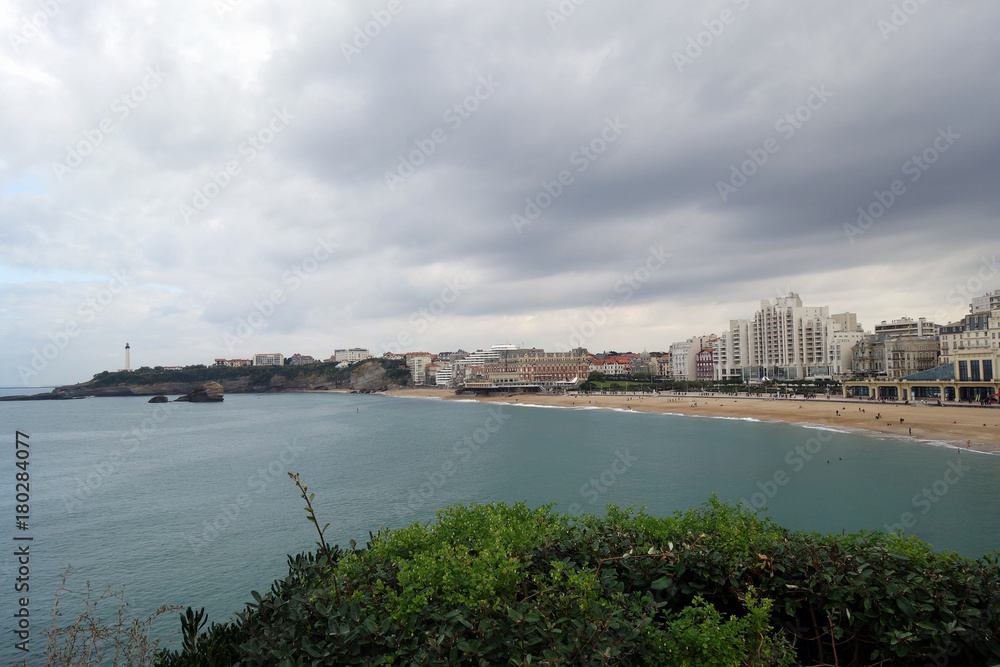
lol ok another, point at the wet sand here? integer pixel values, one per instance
(971, 427)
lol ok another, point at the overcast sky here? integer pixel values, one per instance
(213, 179)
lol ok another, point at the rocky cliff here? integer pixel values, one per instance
(370, 376)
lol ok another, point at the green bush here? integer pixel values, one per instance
(509, 585)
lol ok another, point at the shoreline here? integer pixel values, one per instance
(965, 427)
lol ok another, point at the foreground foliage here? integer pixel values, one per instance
(509, 585)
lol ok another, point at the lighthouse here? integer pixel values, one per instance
(127, 366)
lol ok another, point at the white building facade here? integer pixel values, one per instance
(268, 359)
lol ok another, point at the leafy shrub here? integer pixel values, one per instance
(717, 585)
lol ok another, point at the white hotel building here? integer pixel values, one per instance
(785, 340)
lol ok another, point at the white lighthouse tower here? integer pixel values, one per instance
(128, 366)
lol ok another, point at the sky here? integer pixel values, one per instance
(215, 179)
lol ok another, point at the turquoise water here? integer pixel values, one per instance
(189, 504)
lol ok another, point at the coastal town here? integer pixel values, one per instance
(782, 342)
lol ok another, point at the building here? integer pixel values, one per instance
(789, 341)
(444, 375)
(645, 364)
(534, 368)
(418, 362)
(684, 356)
(950, 339)
(732, 352)
(980, 329)
(894, 358)
(299, 360)
(841, 352)
(971, 376)
(268, 359)
(847, 322)
(352, 355)
(665, 366)
(612, 365)
(907, 327)
(907, 355)
(705, 365)
(461, 368)
(986, 303)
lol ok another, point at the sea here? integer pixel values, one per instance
(190, 504)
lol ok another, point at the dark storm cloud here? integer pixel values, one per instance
(410, 141)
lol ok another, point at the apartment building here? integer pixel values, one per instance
(352, 355)
(268, 359)
(418, 362)
(921, 328)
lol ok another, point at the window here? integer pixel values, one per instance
(975, 371)
(988, 370)
(963, 371)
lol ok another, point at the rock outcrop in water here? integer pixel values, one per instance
(210, 392)
(158, 399)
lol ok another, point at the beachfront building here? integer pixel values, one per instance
(664, 366)
(531, 369)
(971, 376)
(470, 367)
(418, 362)
(704, 363)
(684, 356)
(733, 350)
(789, 341)
(878, 357)
(950, 339)
(841, 352)
(268, 359)
(980, 329)
(907, 355)
(612, 365)
(444, 375)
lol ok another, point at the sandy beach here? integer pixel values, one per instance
(970, 427)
